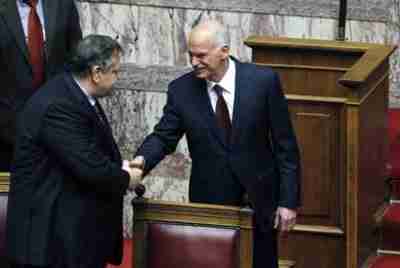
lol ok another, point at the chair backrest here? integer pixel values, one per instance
(394, 142)
(393, 156)
(4, 186)
(181, 235)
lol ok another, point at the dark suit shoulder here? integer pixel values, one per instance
(256, 70)
(184, 80)
(186, 85)
(54, 90)
(259, 75)
(30, 120)
(65, 6)
(54, 96)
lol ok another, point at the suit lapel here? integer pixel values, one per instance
(241, 84)
(104, 127)
(82, 98)
(50, 14)
(110, 138)
(9, 11)
(206, 110)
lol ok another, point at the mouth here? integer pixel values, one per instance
(198, 70)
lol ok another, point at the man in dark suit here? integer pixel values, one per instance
(239, 135)
(35, 38)
(68, 180)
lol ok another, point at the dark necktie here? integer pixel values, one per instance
(99, 113)
(35, 44)
(222, 114)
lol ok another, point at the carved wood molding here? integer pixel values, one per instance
(197, 213)
(4, 182)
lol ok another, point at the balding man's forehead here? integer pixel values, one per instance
(201, 36)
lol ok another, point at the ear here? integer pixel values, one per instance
(225, 52)
(95, 71)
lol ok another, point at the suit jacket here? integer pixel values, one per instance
(62, 33)
(262, 154)
(67, 185)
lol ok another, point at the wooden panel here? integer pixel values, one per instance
(305, 57)
(351, 197)
(317, 130)
(311, 82)
(371, 186)
(317, 251)
(259, 42)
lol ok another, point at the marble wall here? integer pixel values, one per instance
(153, 34)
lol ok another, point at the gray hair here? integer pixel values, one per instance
(93, 50)
(218, 34)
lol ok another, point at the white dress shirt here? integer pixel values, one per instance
(24, 9)
(228, 84)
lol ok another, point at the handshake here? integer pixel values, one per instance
(135, 169)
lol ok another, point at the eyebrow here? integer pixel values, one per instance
(200, 53)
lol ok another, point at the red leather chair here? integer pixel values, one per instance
(382, 261)
(4, 186)
(388, 218)
(393, 164)
(178, 235)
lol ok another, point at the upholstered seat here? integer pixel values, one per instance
(393, 163)
(390, 229)
(383, 261)
(4, 186)
(177, 235)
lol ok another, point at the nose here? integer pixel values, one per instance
(194, 61)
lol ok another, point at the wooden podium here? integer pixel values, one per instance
(338, 98)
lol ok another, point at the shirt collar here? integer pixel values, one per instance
(24, 2)
(91, 99)
(228, 80)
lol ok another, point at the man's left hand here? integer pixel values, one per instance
(285, 219)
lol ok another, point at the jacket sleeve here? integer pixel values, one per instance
(68, 134)
(284, 144)
(7, 122)
(74, 31)
(165, 137)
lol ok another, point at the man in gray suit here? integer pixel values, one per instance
(35, 38)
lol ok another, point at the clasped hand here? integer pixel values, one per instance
(135, 169)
